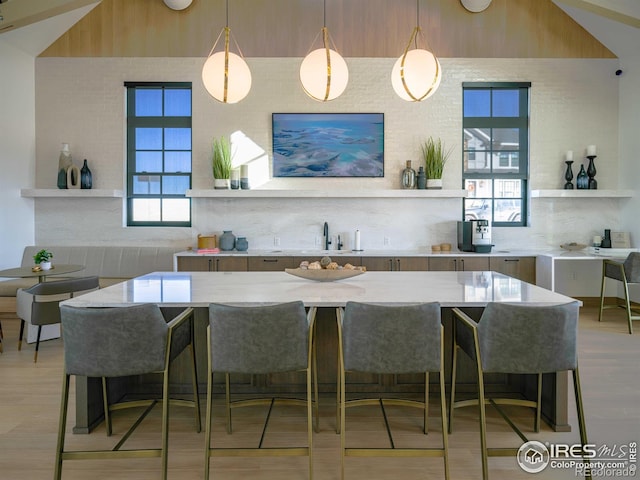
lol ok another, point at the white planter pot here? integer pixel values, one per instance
(221, 183)
(434, 183)
(45, 265)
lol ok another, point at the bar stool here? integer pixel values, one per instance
(517, 339)
(391, 339)
(119, 342)
(258, 340)
(627, 272)
(39, 305)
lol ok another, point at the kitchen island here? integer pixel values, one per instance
(470, 290)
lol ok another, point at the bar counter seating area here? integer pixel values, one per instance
(319, 239)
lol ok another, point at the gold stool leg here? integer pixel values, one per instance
(452, 395)
(207, 449)
(425, 424)
(62, 426)
(628, 304)
(581, 422)
(105, 403)
(194, 381)
(602, 285)
(165, 422)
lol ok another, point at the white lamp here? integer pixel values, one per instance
(225, 75)
(323, 73)
(417, 73)
(475, 6)
(177, 4)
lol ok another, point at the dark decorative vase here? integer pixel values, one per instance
(582, 180)
(422, 179)
(227, 241)
(64, 162)
(86, 179)
(591, 172)
(568, 176)
(242, 245)
(606, 241)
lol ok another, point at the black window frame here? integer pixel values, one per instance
(522, 122)
(162, 121)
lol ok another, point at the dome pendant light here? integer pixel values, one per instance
(416, 74)
(225, 75)
(323, 73)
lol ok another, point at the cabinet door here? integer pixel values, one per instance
(522, 268)
(193, 264)
(472, 263)
(229, 264)
(270, 264)
(379, 264)
(442, 264)
(411, 264)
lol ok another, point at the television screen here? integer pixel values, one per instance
(328, 144)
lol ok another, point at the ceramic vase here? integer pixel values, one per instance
(242, 245)
(86, 179)
(434, 183)
(568, 175)
(227, 241)
(221, 183)
(45, 265)
(421, 179)
(582, 180)
(64, 162)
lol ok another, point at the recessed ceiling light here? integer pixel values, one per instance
(475, 6)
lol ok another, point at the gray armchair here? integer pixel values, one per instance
(627, 272)
(118, 342)
(391, 339)
(39, 305)
(517, 339)
(263, 339)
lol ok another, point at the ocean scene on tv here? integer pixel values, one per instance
(328, 145)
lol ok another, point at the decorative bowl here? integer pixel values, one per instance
(323, 275)
(573, 246)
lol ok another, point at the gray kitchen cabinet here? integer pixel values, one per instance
(212, 264)
(458, 264)
(522, 268)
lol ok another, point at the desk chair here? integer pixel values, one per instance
(257, 340)
(120, 342)
(39, 305)
(627, 272)
(517, 339)
(391, 339)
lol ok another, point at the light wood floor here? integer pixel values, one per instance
(30, 400)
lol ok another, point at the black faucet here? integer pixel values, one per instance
(327, 241)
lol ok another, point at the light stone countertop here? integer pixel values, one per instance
(361, 253)
(199, 289)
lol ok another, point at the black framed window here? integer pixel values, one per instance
(158, 153)
(495, 170)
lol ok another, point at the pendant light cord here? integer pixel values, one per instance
(227, 11)
(324, 13)
(417, 22)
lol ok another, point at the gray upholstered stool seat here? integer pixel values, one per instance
(257, 340)
(39, 305)
(119, 342)
(627, 272)
(516, 339)
(391, 340)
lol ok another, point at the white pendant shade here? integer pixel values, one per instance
(421, 74)
(177, 4)
(238, 82)
(324, 80)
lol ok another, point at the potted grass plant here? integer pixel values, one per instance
(221, 162)
(434, 155)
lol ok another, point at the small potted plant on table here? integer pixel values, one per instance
(435, 157)
(43, 259)
(221, 162)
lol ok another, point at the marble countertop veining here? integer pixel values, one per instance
(361, 253)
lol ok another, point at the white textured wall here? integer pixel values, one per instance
(81, 101)
(17, 152)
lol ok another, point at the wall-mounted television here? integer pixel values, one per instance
(328, 144)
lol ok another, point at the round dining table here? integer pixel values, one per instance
(28, 272)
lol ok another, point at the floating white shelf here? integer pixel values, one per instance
(582, 193)
(326, 193)
(70, 193)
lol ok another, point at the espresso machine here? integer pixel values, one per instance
(474, 236)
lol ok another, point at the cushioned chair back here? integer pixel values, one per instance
(391, 339)
(113, 342)
(632, 267)
(528, 339)
(47, 296)
(264, 339)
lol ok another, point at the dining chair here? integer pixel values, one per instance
(120, 342)
(39, 304)
(627, 272)
(391, 340)
(516, 339)
(259, 340)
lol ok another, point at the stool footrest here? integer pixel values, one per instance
(259, 452)
(394, 452)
